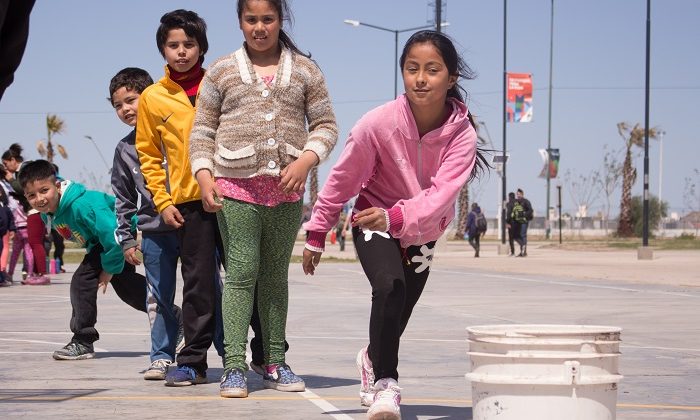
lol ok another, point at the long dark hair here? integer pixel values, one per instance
(456, 66)
(13, 152)
(284, 14)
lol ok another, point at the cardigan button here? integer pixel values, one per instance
(269, 117)
(271, 164)
(271, 141)
(265, 93)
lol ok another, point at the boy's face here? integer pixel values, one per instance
(181, 52)
(43, 195)
(126, 104)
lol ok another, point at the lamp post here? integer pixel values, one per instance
(98, 151)
(396, 33)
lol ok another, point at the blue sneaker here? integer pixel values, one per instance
(281, 378)
(184, 376)
(233, 384)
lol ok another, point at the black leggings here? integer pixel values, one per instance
(397, 277)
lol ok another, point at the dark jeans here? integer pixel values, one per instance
(520, 230)
(198, 244)
(474, 241)
(511, 237)
(129, 286)
(397, 277)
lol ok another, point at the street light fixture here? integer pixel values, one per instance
(396, 33)
(99, 152)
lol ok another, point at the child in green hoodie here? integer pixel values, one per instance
(87, 218)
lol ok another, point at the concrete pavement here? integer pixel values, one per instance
(327, 324)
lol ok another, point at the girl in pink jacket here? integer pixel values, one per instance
(407, 160)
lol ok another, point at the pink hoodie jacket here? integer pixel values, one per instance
(416, 179)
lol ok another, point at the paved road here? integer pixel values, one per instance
(328, 324)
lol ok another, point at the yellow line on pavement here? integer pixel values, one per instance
(298, 398)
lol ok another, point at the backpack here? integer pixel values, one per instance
(481, 223)
(518, 213)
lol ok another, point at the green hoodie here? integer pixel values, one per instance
(87, 218)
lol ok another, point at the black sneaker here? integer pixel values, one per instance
(75, 351)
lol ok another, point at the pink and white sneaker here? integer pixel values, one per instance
(364, 366)
(387, 398)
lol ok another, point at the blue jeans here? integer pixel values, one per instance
(160, 255)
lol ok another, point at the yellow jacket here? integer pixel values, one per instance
(162, 136)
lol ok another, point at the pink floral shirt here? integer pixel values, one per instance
(262, 190)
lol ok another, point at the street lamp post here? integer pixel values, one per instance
(396, 33)
(98, 151)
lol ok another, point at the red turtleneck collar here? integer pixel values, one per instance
(189, 80)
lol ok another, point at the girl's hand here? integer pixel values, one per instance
(372, 218)
(310, 261)
(211, 195)
(294, 175)
(103, 281)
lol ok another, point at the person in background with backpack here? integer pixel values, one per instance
(510, 224)
(522, 214)
(476, 227)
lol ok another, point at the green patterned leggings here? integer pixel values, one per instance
(258, 241)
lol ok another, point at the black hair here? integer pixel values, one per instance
(521, 191)
(284, 14)
(36, 170)
(511, 195)
(131, 78)
(13, 152)
(190, 22)
(456, 66)
(3, 197)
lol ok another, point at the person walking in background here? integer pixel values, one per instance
(408, 160)
(165, 116)
(476, 226)
(251, 153)
(159, 243)
(87, 218)
(36, 230)
(510, 223)
(522, 214)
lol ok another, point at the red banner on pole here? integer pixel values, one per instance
(519, 95)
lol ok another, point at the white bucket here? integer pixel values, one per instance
(544, 372)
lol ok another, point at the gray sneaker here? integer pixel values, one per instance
(75, 351)
(157, 370)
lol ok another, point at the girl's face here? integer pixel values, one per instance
(260, 24)
(11, 165)
(181, 52)
(425, 76)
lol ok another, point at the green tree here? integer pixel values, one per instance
(657, 210)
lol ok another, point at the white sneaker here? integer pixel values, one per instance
(157, 370)
(387, 398)
(364, 366)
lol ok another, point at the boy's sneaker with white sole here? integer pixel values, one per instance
(158, 370)
(387, 400)
(75, 351)
(364, 366)
(233, 384)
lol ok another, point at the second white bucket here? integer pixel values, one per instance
(544, 372)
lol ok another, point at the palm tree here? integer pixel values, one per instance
(54, 125)
(632, 136)
(313, 186)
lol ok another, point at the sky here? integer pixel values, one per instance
(76, 46)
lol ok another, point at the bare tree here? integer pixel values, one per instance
(691, 198)
(582, 190)
(608, 179)
(632, 136)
